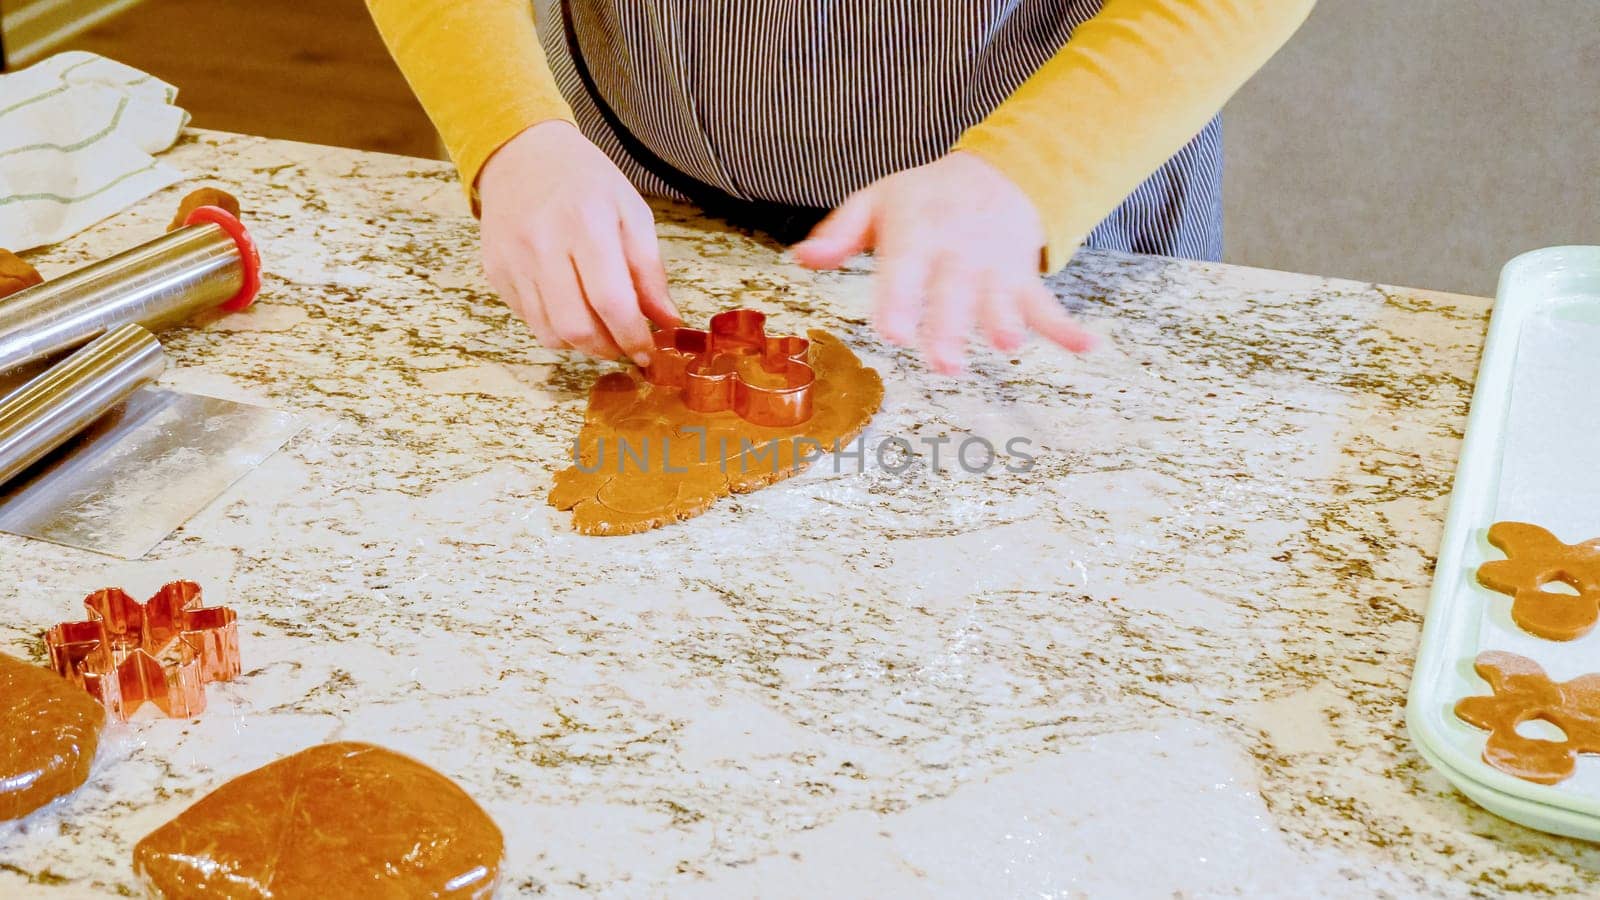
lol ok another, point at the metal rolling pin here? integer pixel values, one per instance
(47, 411)
(209, 262)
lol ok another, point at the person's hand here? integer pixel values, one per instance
(958, 246)
(571, 246)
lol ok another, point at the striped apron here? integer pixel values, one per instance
(769, 112)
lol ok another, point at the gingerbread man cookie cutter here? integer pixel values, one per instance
(163, 651)
(734, 365)
(1523, 693)
(1535, 559)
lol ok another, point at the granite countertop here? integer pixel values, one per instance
(1171, 659)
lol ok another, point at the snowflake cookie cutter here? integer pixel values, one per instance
(163, 651)
(735, 365)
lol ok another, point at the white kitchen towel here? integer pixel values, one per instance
(78, 138)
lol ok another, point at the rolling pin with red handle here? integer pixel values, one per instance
(209, 262)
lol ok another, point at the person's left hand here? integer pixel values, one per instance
(958, 246)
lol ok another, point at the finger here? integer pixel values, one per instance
(571, 320)
(1044, 314)
(643, 250)
(608, 289)
(1000, 317)
(900, 292)
(505, 283)
(952, 313)
(538, 320)
(845, 232)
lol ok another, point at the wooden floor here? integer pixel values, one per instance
(308, 71)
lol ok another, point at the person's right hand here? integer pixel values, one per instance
(571, 246)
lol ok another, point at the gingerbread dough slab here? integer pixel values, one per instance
(1522, 693)
(645, 459)
(338, 820)
(49, 731)
(1536, 559)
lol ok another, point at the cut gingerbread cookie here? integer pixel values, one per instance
(1524, 693)
(1536, 559)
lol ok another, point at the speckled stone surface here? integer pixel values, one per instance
(1171, 659)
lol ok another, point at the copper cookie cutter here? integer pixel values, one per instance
(163, 651)
(735, 365)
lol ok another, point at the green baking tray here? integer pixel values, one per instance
(1531, 453)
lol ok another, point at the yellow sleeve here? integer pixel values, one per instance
(477, 68)
(1133, 85)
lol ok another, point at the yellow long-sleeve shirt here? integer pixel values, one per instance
(1130, 88)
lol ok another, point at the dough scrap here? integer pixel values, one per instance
(16, 273)
(204, 197)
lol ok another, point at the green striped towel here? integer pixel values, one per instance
(78, 134)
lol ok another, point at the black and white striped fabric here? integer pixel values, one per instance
(805, 101)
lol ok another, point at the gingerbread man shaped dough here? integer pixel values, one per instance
(1536, 558)
(1522, 693)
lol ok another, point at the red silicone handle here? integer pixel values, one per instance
(249, 257)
